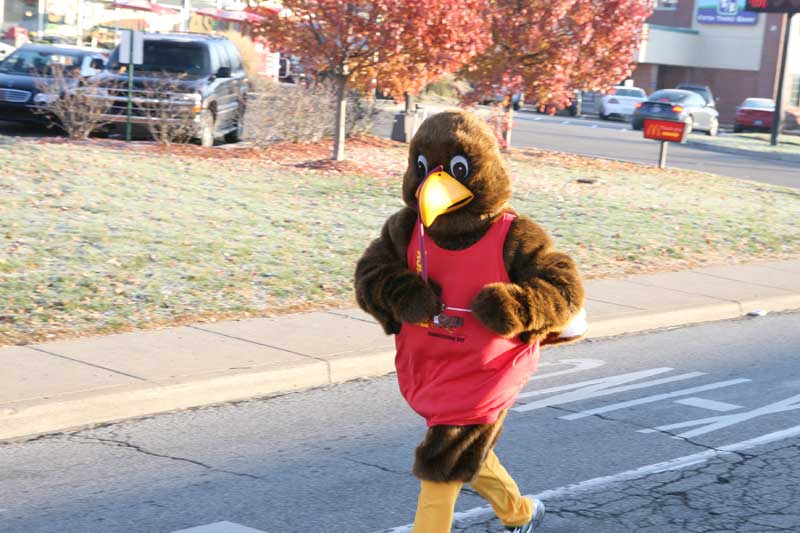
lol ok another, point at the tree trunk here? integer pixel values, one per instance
(509, 122)
(409, 103)
(341, 110)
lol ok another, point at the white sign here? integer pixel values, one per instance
(131, 49)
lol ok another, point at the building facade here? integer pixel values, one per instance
(720, 44)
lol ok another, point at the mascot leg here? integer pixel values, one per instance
(435, 507)
(496, 486)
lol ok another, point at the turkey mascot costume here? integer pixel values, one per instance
(470, 289)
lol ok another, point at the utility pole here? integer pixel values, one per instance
(778, 116)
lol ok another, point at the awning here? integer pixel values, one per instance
(230, 16)
(144, 5)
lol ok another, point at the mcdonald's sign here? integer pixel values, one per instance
(664, 130)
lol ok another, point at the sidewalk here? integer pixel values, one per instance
(60, 385)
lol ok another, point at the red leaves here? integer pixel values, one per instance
(547, 49)
(402, 45)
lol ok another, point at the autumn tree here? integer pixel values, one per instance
(547, 49)
(401, 44)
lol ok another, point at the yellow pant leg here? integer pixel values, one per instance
(435, 506)
(496, 486)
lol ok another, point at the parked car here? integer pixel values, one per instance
(754, 114)
(22, 74)
(702, 90)
(620, 102)
(574, 109)
(202, 77)
(5, 50)
(678, 105)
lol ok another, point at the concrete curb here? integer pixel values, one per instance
(711, 147)
(67, 412)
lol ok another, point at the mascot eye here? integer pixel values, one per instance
(422, 166)
(459, 167)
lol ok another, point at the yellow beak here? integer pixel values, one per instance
(440, 193)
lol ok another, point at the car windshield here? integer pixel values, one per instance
(759, 103)
(30, 62)
(169, 56)
(636, 93)
(668, 96)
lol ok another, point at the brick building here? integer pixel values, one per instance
(719, 44)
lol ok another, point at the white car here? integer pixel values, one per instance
(5, 50)
(620, 102)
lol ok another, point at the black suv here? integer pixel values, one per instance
(23, 72)
(201, 75)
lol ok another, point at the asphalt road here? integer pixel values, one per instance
(686, 430)
(616, 140)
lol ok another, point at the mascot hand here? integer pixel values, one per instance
(417, 301)
(497, 306)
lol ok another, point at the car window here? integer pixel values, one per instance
(759, 103)
(697, 100)
(636, 93)
(669, 96)
(224, 56)
(170, 56)
(233, 53)
(39, 63)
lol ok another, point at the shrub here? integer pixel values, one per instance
(302, 113)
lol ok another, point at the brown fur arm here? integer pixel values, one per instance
(545, 289)
(385, 287)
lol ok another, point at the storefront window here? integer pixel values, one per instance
(666, 5)
(20, 13)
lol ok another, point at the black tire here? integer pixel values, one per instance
(236, 135)
(637, 125)
(737, 129)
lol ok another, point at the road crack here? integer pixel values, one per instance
(116, 443)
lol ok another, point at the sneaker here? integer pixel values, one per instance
(536, 521)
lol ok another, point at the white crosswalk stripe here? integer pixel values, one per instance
(220, 527)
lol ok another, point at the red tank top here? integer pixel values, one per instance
(464, 374)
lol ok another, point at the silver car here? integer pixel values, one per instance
(680, 106)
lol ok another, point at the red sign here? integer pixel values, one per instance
(664, 130)
(774, 6)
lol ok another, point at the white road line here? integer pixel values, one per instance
(597, 388)
(580, 365)
(591, 485)
(713, 405)
(220, 527)
(715, 423)
(659, 397)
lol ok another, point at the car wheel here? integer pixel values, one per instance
(207, 130)
(737, 129)
(602, 114)
(236, 135)
(714, 129)
(637, 125)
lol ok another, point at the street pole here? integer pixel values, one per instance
(79, 23)
(778, 113)
(40, 21)
(662, 158)
(130, 89)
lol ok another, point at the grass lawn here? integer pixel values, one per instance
(756, 142)
(99, 237)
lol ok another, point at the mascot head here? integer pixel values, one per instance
(455, 179)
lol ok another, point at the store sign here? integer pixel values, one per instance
(774, 6)
(664, 130)
(725, 12)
